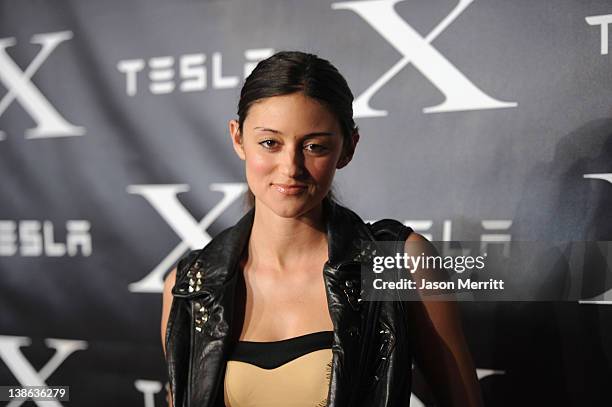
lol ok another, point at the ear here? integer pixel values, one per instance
(347, 154)
(234, 130)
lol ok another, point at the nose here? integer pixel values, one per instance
(292, 163)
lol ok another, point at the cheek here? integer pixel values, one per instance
(321, 169)
(258, 165)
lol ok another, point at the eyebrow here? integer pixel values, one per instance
(319, 133)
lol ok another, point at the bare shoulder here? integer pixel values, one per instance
(416, 237)
(170, 281)
(417, 244)
(168, 286)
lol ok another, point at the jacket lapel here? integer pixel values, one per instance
(342, 273)
(210, 286)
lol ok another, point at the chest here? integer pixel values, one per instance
(278, 307)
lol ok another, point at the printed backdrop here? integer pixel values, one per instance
(480, 120)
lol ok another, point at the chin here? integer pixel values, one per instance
(289, 207)
(288, 210)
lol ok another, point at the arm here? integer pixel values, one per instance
(166, 304)
(441, 351)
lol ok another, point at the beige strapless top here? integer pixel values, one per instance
(294, 372)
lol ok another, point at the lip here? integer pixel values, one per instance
(289, 189)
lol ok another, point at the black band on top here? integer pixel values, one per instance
(270, 355)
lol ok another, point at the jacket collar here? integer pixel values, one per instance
(345, 232)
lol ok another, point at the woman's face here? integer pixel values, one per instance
(291, 146)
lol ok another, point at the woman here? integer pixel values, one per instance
(269, 312)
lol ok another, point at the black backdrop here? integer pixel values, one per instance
(487, 120)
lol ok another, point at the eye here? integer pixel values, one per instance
(315, 148)
(268, 144)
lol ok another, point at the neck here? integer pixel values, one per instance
(279, 244)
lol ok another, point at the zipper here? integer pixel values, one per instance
(384, 352)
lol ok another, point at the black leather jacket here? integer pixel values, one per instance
(372, 348)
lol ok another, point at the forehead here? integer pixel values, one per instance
(295, 111)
